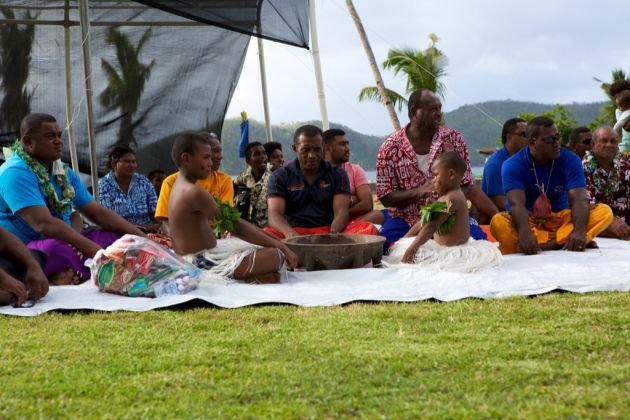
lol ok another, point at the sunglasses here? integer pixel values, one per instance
(550, 139)
(586, 142)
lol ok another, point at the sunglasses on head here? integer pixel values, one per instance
(550, 139)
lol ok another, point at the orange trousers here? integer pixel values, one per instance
(600, 216)
(356, 226)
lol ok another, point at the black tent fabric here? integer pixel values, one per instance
(157, 68)
(284, 21)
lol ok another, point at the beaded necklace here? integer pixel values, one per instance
(541, 187)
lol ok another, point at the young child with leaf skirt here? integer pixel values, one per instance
(256, 256)
(446, 221)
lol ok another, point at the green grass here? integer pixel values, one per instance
(557, 355)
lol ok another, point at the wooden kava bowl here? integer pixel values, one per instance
(334, 252)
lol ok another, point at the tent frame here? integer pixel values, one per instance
(85, 25)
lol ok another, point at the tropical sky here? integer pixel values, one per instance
(543, 51)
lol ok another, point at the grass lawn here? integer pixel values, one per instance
(557, 355)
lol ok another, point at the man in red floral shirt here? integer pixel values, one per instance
(404, 181)
(607, 174)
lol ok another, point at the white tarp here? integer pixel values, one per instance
(604, 269)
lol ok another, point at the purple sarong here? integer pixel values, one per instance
(62, 255)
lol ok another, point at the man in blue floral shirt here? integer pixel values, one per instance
(607, 174)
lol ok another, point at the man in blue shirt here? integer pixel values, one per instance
(514, 138)
(38, 193)
(580, 141)
(309, 195)
(547, 200)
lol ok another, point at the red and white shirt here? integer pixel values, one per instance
(397, 168)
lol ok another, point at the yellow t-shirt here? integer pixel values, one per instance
(218, 183)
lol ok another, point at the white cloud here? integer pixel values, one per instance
(541, 51)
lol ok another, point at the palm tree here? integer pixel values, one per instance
(423, 69)
(15, 59)
(125, 88)
(380, 86)
(608, 110)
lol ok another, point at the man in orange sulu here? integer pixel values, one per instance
(547, 201)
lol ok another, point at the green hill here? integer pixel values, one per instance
(364, 147)
(157, 155)
(478, 129)
(481, 131)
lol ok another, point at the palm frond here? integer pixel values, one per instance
(16, 42)
(372, 94)
(143, 40)
(422, 69)
(126, 82)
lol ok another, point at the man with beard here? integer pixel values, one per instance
(547, 205)
(337, 152)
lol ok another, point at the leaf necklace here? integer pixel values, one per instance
(57, 206)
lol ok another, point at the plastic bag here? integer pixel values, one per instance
(136, 266)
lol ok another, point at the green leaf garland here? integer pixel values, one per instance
(433, 210)
(56, 206)
(225, 219)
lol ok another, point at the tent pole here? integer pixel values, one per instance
(263, 82)
(68, 70)
(317, 65)
(87, 69)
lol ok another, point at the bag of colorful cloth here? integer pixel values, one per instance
(136, 266)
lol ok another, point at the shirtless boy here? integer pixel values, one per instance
(191, 207)
(448, 227)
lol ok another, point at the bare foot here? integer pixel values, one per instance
(65, 278)
(592, 245)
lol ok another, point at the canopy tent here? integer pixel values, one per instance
(154, 68)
